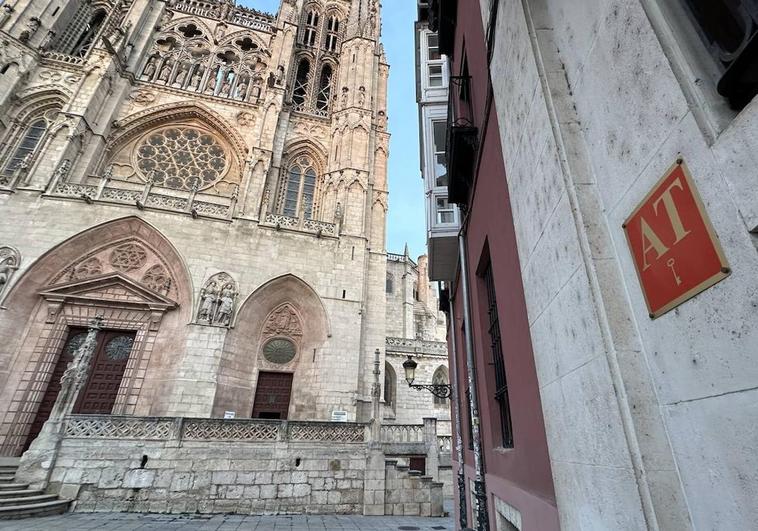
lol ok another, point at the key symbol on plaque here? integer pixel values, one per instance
(670, 263)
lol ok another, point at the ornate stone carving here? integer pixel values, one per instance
(128, 257)
(245, 119)
(283, 321)
(89, 268)
(218, 301)
(157, 279)
(142, 97)
(9, 262)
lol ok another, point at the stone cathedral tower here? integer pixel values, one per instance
(211, 181)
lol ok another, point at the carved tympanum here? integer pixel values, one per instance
(283, 321)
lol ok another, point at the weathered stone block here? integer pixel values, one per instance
(139, 478)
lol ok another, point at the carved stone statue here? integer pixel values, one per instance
(208, 299)
(149, 71)
(31, 28)
(165, 72)
(343, 101)
(361, 96)
(217, 301)
(210, 85)
(226, 305)
(225, 87)
(7, 266)
(196, 79)
(179, 79)
(241, 91)
(280, 75)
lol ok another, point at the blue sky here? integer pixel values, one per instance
(405, 221)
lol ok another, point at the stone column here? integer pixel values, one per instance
(432, 449)
(38, 461)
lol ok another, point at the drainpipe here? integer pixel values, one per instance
(456, 403)
(482, 519)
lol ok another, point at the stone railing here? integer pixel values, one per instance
(194, 429)
(419, 346)
(402, 433)
(63, 58)
(249, 18)
(147, 195)
(394, 257)
(445, 443)
(280, 221)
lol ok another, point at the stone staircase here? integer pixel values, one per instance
(408, 492)
(17, 500)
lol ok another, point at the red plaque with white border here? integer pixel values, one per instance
(675, 250)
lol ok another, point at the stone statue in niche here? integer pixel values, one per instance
(241, 91)
(361, 96)
(165, 72)
(179, 80)
(149, 69)
(210, 86)
(9, 262)
(218, 300)
(196, 79)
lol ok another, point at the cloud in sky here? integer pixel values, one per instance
(405, 220)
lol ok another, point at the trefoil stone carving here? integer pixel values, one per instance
(218, 301)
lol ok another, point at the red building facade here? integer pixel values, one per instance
(514, 476)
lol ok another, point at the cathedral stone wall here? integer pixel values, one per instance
(209, 180)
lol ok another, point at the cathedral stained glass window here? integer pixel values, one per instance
(180, 157)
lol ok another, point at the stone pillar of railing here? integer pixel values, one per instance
(38, 461)
(432, 448)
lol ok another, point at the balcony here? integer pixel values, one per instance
(442, 19)
(462, 143)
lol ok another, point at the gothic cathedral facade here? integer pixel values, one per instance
(211, 182)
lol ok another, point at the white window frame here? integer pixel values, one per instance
(430, 92)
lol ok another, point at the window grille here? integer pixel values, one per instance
(501, 382)
(324, 90)
(300, 89)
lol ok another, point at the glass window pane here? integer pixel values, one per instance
(439, 130)
(434, 50)
(435, 75)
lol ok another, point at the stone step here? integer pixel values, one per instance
(19, 493)
(6, 478)
(9, 461)
(27, 500)
(34, 509)
(13, 486)
(8, 469)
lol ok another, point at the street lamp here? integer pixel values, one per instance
(438, 390)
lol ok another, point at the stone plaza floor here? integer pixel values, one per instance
(156, 522)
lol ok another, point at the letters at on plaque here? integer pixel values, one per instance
(674, 247)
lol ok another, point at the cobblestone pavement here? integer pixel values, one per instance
(143, 522)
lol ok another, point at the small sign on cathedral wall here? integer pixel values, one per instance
(675, 250)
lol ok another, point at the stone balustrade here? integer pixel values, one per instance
(147, 195)
(402, 433)
(242, 16)
(445, 443)
(194, 429)
(280, 221)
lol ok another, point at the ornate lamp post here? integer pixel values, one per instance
(438, 390)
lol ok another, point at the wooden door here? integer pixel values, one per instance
(272, 395)
(109, 363)
(74, 340)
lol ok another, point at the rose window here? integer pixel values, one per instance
(128, 257)
(279, 350)
(179, 157)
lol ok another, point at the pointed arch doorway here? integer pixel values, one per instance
(272, 395)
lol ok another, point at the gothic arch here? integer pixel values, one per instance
(139, 122)
(242, 354)
(66, 287)
(136, 151)
(174, 24)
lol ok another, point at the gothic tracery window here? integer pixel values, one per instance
(311, 28)
(80, 33)
(181, 157)
(332, 33)
(27, 147)
(299, 189)
(390, 386)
